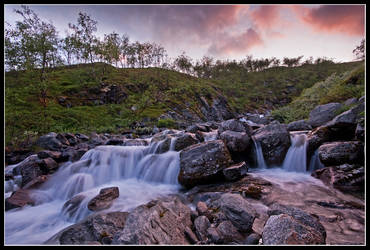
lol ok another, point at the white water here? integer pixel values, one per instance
(261, 164)
(296, 157)
(139, 174)
(315, 162)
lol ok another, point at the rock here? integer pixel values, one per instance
(72, 139)
(135, 142)
(191, 236)
(29, 169)
(299, 125)
(203, 163)
(158, 222)
(234, 125)
(201, 225)
(104, 199)
(237, 210)
(252, 239)
(235, 141)
(300, 216)
(48, 165)
(55, 155)
(97, 140)
(214, 236)
(283, 229)
(82, 137)
(360, 131)
(346, 120)
(350, 101)
(63, 139)
(347, 178)
(49, 141)
(202, 209)
(19, 198)
(258, 118)
(274, 139)
(92, 229)
(36, 182)
(323, 113)
(196, 127)
(336, 153)
(71, 154)
(235, 172)
(184, 141)
(115, 141)
(228, 233)
(317, 137)
(71, 206)
(164, 145)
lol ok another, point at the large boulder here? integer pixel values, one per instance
(235, 141)
(104, 199)
(290, 225)
(323, 113)
(234, 125)
(336, 153)
(29, 169)
(184, 141)
(95, 228)
(203, 163)
(49, 141)
(237, 210)
(347, 120)
(283, 229)
(158, 222)
(274, 139)
(347, 178)
(235, 172)
(228, 233)
(299, 125)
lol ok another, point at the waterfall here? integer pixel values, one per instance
(315, 162)
(295, 159)
(259, 154)
(140, 174)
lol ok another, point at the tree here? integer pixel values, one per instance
(183, 63)
(359, 51)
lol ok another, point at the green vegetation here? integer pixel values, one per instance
(336, 88)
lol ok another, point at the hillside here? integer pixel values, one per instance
(103, 98)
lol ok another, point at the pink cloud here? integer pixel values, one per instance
(347, 19)
(235, 44)
(266, 16)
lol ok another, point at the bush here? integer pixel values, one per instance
(166, 123)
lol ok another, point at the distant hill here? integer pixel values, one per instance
(102, 98)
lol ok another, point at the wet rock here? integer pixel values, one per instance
(203, 163)
(162, 222)
(115, 141)
(196, 127)
(36, 182)
(29, 169)
(274, 139)
(202, 209)
(48, 165)
(19, 198)
(237, 210)
(72, 139)
(235, 141)
(201, 225)
(323, 113)
(184, 141)
(135, 142)
(299, 125)
(336, 153)
(63, 139)
(283, 229)
(347, 178)
(234, 125)
(92, 229)
(49, 141)
(258, 118)
(71, 206)
(104, 199)
(235, 172)
(82, 137)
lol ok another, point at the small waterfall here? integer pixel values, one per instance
(140, 174)
(210, 136)
(295, 159)
(259, 154)
(315, 162)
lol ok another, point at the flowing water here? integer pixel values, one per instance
(139, 173)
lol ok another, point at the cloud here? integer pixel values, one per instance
(346, 19)
(266, 16)
(235, 44)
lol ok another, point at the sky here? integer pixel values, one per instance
(222, 31)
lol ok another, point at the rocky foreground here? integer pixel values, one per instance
(222, 201)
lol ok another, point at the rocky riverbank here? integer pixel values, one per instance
(222, 194)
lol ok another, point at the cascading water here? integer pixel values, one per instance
(295, 159)
(261, 164)
(315, 162)
(140, 174)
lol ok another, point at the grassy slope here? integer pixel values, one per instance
(335, 88)
(152, 91)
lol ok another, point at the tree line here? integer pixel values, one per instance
(35, 44)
